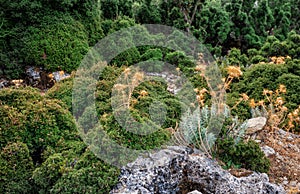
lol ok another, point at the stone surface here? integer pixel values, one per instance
(171, 79)
(268, 151)
(182, 170)
(255, 124)
(287, 135)
(195, 192)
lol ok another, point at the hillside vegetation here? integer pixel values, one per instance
(256, 45)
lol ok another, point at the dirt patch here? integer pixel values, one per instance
(285, 163)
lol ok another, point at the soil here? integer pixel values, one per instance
(285, 163)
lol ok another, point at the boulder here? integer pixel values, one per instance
(195, 192)
(182, 170)
(268, 151)
(255, 124)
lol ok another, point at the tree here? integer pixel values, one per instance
(215, 21)
(148, 13)
(242, 34)
(261, 18)
(189, 9)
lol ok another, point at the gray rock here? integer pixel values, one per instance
(178, 169)
(268, 151)
(287, 135)
(195, 192)
(255, 124)
(285, 182)
(60, 75)
(293, 183)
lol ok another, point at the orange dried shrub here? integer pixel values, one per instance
(278, 60)
(293, 120)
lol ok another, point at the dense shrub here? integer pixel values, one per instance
(267, 76)
(244, 154)
(62, 91)
(16, 167)
(95, 178)
(259, 77)
(39, 122)
(59, 44)
(73, 168)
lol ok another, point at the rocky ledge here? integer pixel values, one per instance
(183, 170)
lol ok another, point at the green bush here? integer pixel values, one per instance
(74, 168)
(62, 91)
(259, 77)
(267, 76)
(46, 175)
(59, 44)
(16, 167)
(243, 154)
(289, 46)
(95, 178)
(39, 122)
(292, 96)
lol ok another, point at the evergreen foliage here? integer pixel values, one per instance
(40, 148)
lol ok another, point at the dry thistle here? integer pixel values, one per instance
(273, 105)
(252, 103)
(234, 71)
(143, 93)
(282, 88)
(245, 97)
(293, 119)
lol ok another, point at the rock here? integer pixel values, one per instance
(285, 182)
(181, 169)
(268, 151)
(255, 124)
(60, 75)
(4, 83)
(195, 192)
(293, 183)
(287, 135)
(171, 79)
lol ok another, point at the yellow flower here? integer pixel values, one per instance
(234, 71)
(200, 67)
(252, 103)
(203, 91)
(261, 103)
(126, 71)
(284, 108)
(61, 73)
(143, 93)
(265, 92)
(282, 88)
(50, 75)
(120, 87)
(279, 101)
(134, 101)
(295, 113)
(245, 97)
